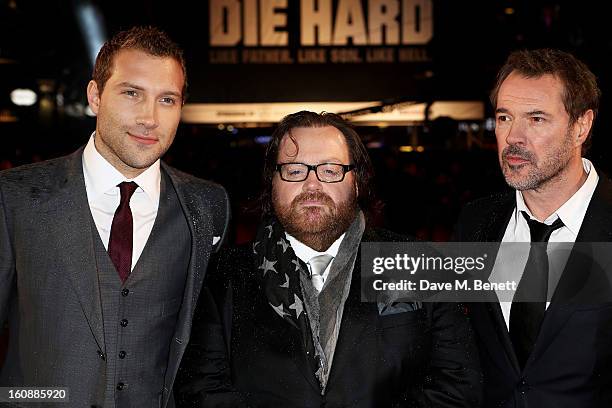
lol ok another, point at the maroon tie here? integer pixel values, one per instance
(120, 243)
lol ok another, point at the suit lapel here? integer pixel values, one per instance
(595, 228)
(297, 349)
(199, 220)
(494, 231)
(598, 218)
(71, 220)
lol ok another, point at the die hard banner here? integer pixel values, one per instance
(310, 50)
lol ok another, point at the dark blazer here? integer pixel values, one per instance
(242, 354)
(571, 360)
(47, 269)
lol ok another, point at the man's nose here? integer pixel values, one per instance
(312, 183)
(147, 115)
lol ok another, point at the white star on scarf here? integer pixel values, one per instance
(285, 244)
(280, 310)
(269, 227)
(297, 305)
(286, 284)
(267, 266)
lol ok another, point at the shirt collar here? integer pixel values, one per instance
(103, 178)
(306, 253)
(572, 212)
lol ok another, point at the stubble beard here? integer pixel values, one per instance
(539, 174)
(316, 226)
(116, 144)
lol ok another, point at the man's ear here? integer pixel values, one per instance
(583, 125)
(93, 96)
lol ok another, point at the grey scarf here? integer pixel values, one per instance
(324, 310)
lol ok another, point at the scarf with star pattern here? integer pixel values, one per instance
(280, 272)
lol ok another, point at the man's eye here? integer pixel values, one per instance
(130, 92)
(503, 118)
(168, 100)
(537, 119)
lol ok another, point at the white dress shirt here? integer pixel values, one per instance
(572, 214)
(306, 253)
(101, 181)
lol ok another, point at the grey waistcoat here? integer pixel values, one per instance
(140, 315)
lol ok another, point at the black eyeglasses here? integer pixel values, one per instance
(326, 172)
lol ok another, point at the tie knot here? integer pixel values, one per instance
(319, 263)
(541, 232)
(127, 189)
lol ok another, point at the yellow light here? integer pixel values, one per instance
(509, 11)
(406, 149)
(420, 149)
(7, 116)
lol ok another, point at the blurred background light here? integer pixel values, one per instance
(23, 97)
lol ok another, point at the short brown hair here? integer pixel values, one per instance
(148, 39)
(358, 154)
(580, 92)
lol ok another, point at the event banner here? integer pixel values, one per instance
(319, 31)
(316, 50)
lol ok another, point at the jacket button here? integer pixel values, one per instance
(101, 355)
(121, 386)
(123, 322)
(122, 354)
(523, 386)
(125, 292)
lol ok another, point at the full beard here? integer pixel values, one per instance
(538, 174)
(316, 226)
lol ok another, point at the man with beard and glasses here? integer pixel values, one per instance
(282, 323)
(552, 345)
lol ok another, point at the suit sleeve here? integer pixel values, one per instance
(205, 378)
(453, 378)
(7, 262)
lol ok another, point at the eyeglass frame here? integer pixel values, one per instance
(313, 167)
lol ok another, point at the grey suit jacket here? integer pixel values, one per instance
(49, 289)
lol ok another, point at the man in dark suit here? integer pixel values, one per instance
(553, 348)
(286, 326)
(103, 252)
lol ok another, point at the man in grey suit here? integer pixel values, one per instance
(103, 252)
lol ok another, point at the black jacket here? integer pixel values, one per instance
(571, 361)
(243, 354)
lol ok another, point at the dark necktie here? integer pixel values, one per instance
(122, 230)
(529, 302)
